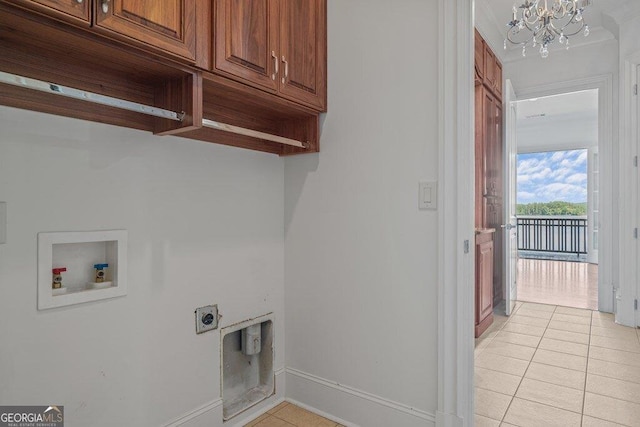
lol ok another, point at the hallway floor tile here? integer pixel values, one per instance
(557, 366)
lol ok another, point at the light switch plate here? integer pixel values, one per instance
(428, 195)
(206, 318)
(3, 222)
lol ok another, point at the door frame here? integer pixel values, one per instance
(606, 148)
(635, 115)
(455, 213)
(629, 201)
(510, 197)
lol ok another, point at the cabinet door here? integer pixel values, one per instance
(303, 51)
(489, 67)
(246, 40)
(65, 9)
(168, 25)
(479, 56)
(484, 280)
(488, 138)
(498, 82)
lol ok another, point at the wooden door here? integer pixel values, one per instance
(168, 25)
(70, 10)
(246, 41)
(484, 277)
(303, 51)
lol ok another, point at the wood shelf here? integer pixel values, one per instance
(53, 51)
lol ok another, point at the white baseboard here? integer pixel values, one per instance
(204, 412)
(350, 406)
(321, 413)
(448, 420)
(210, 414)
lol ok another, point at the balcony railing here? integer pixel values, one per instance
(558, 234)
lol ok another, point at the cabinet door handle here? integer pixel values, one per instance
(286, 70)
(105, 6)
(275, 61)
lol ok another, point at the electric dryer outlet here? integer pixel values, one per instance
(206, 318)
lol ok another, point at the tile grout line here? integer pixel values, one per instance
(529, 365)
(488, 342)
(586, 371)
(612, 397)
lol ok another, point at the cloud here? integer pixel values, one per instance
(577, 178)
(582, 158)
(541, 174)
(523, 179)
(561, 191)
(524, 195)
(544, 177)
(528, 166)
(561, 173)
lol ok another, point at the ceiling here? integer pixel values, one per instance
(493, 15)
(561, 122)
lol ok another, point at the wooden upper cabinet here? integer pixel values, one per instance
(168, 25)
(489, 67)
(498, 82)
(277, 45)
(246, 40)
(70, 10)
(479, 57)
(303, 38)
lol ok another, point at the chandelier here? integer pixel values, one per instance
(540, 22)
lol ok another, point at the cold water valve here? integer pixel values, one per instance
(100, 272)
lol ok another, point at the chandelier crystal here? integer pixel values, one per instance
(540, 22)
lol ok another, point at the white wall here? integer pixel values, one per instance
(360, 258)
(205, 226)
(563, 65)
(629, 37)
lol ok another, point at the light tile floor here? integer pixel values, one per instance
(287, 415)
(548, 365)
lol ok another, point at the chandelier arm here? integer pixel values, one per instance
(562, 11)
(543, 22)
(582, 24)
(509, 34)
(527, 21)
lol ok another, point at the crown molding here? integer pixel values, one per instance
(599, 35)
(625, 12)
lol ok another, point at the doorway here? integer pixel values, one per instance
(532, 343)
(558, 193)
(559, 120)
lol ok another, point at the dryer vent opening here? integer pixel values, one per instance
(247, 365)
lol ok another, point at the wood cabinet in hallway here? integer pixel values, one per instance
(489, 179)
